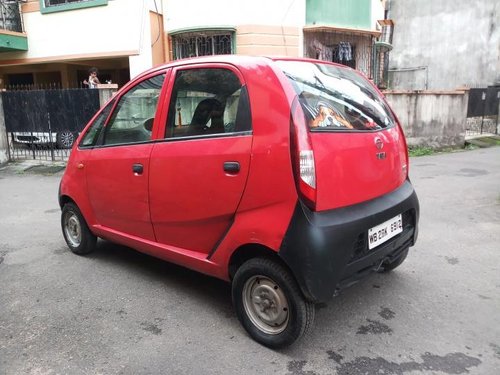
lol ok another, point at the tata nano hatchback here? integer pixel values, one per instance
(286, 177)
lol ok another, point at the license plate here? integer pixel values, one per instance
(384, 232)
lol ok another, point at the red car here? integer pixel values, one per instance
(286, 177)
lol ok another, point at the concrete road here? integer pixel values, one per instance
(120, 312)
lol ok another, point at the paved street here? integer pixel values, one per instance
(121, 312)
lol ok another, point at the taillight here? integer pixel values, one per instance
(302, 156)
(403, 154)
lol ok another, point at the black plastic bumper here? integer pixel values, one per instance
(328, 250)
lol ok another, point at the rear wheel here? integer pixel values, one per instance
(395, 263)
(269, 303)
(79, 238)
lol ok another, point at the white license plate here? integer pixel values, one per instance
(385, 231)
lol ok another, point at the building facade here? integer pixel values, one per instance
(64, 38)
(57, 41)
(342, 31)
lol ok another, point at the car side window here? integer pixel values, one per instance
(132, 120)
(207, 101)
(92, 135)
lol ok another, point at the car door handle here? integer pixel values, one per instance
(232, 167)
(137, 168)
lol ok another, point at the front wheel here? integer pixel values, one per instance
(269, 303)
(76, 232)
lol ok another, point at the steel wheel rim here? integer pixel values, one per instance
(73, 229)
(67, 139)
(266, 304)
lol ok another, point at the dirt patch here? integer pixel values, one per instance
(44, 169)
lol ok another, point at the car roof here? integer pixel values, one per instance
(238, 60)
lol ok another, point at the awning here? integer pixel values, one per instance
(341, 30)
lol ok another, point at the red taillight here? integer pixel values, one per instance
(403, 154)
(302, 156)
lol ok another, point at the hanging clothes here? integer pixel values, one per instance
(327, 54)
(323, 52)
(344, 52)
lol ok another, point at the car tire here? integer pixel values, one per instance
(269, 303)
(391, 265)
(76, 232)
(65, 139)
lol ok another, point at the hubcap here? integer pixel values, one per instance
(72, 229)
(67, 139)
(266, 304)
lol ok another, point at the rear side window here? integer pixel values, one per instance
(337, 98)
(207, 101)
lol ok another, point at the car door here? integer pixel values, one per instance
(117, 169)
(198, 172)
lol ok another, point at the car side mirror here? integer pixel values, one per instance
(148, 124)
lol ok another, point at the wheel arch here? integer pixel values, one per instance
(250, 251)
(63, 199)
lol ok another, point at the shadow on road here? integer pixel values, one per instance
(212, 291)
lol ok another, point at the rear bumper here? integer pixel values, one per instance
(328, 250)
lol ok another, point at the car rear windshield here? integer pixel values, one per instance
(337, 98)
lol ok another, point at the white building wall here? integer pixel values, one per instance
(143, 59)
(378, 10)
(185, 14)
(97, 30)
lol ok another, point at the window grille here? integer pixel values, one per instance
(49, 3)
(345, 48)
(10, 16)
(202, 44)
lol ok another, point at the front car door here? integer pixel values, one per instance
(117, 168)
(198, 172)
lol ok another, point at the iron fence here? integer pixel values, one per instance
(33, 151)
(202, 44)
(43, 124)
(482, 110)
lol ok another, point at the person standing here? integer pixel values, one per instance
(93, 81)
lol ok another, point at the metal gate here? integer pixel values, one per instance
(43, 124)
(482, 110)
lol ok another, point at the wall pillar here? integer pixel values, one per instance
(4, 144)
(106, 92)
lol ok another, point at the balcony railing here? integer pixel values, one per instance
(10, 16)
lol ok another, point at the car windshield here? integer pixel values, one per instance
(336, 98)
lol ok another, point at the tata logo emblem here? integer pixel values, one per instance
(380, 145)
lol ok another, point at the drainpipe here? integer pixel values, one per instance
(379, 47)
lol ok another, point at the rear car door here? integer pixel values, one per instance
(199, 170)
(117, 168)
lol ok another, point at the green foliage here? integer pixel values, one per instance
(470, 146)
(491, 141)
(420, 151)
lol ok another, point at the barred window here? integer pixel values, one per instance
(10, 16)
(49, 3)
(51, 6)
(202, 44)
